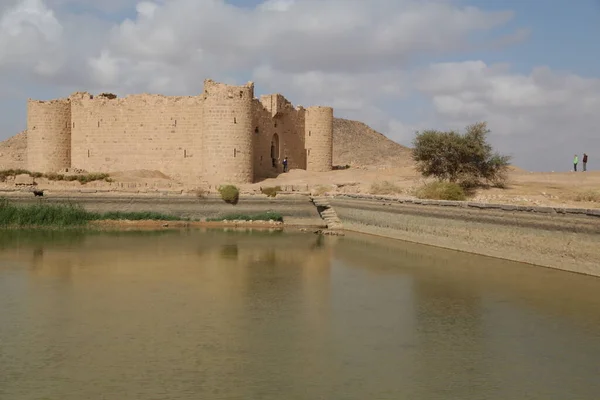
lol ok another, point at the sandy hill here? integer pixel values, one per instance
(356, 144)
(13, 152)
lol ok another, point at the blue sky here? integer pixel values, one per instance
(533, 74)
(563, 34)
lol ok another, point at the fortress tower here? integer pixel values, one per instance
(319, 138)
(227, 146)
(48, 135)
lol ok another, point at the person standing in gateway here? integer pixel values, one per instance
(585, 158)
(285, 166)
(575, 162)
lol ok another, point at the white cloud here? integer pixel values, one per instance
(107, 6)
(358, 56)
(31, 37)
(298, 36)
(276, 5)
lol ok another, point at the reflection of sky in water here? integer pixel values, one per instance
(187, 315)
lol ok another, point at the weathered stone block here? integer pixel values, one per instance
(24, 179)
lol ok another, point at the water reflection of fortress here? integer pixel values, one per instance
(147, 252)
(236, 263)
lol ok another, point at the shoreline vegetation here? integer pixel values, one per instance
(81, 178)
(72, 215)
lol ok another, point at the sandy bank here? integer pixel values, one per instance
(154, 224)
(557, 240)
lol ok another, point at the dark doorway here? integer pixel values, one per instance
(275, 149)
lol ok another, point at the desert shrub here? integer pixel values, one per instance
(271, 191)
(53, 176)
(385, 188)
(467, 159)
(12, 172)
(440, 190)
(83, 179)
(110, 96)
(230, 194)
(265, 216)
(591, 196)
(341, 167)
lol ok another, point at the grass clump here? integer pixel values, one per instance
(441, 190)
(592, 196)
(230, 194)
(82, 178)
(66, 215)
(57, 215)
(53, 176)
(385, 188)
(14, 172)
(271, 191)
(266, 216)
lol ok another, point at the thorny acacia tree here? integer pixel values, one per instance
(467, 159)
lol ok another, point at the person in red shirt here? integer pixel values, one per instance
(585, 158)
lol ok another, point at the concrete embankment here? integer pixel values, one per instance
(556, 238)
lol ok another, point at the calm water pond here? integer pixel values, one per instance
(239, 315)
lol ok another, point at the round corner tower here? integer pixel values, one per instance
(227, 145)
(48, 135)
(318, 126)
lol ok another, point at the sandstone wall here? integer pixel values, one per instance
(228, 142)
(319, 138)
(138, 132)
(285, 132)
(48, 135)
(223, 136)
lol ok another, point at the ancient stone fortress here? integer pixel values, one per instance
(223, 136)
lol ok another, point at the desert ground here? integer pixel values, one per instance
(377, 166)
(566, 189)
